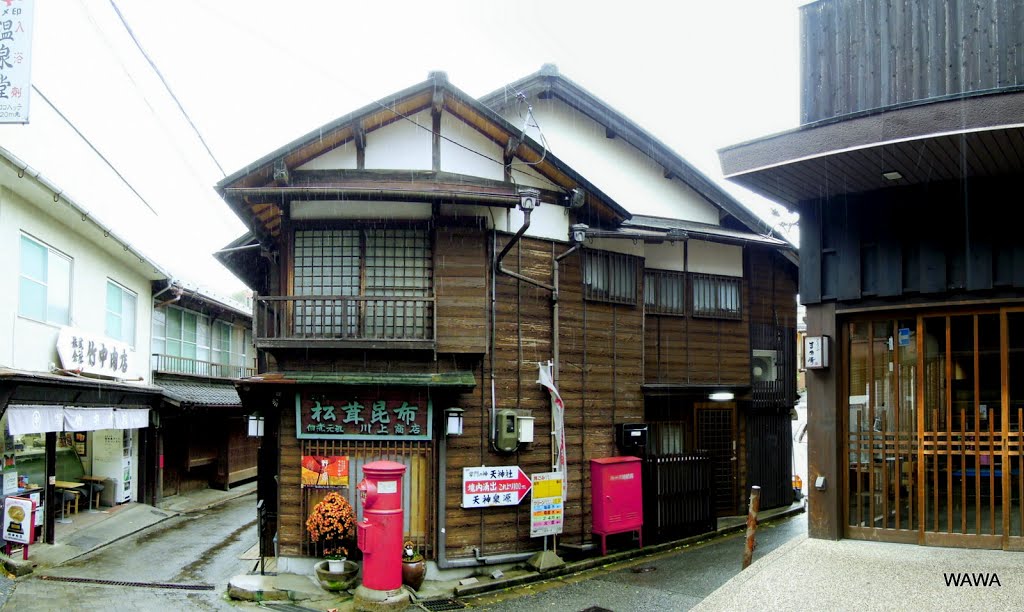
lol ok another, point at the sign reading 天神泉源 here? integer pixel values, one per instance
(363, 415)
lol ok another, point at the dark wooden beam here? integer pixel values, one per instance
(435, 117)
(360, 137)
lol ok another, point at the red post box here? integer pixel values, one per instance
(380, 531)
(617, 497)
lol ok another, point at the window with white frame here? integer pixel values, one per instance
(665, 292)
(222, 343)
(121, 306)
(44, 283)
(716, 297)
(610, 277)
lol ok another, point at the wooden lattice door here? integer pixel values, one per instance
(716, 433)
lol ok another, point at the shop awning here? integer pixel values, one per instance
(182, 393)
(457, 379)
(42, 418)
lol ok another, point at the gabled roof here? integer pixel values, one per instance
(548, 82)
(257, 196)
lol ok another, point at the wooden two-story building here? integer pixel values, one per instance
(423, 256)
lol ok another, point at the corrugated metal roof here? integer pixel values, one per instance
(200, 393)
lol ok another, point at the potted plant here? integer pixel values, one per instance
(414, 567)
(331, 525)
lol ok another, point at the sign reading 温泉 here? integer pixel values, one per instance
(94, 354)
(504, 485)
(15, 53)
(363, 415)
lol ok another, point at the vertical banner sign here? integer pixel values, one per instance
(547, 509)
(15, 55)
(557, 421)
(19, 520)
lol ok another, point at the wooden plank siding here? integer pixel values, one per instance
(460, 289)
(858, 56)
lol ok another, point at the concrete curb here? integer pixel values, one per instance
(617, 557)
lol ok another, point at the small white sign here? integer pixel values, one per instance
(10, 482)
(816, 352)
(387, 486)
(99, 355)
(19, 520)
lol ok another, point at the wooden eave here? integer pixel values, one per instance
(260, 201)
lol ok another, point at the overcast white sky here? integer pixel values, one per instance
(255, 74)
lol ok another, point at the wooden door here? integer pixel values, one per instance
(716, 433)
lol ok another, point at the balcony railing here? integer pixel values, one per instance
(340, 321)
(171, 364)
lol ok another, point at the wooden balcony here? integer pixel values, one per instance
(336, 321)
(170, 364)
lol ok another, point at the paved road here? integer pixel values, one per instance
(195, 549)
(669, 582)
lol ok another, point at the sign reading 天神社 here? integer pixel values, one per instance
(15, 54)
(502, 485)
(363, 415)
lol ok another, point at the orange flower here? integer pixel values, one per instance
(332, 522)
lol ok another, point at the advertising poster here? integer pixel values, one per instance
(319, 472)
(19, 521)
(547, 507)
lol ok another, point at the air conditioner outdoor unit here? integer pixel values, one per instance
(762, 365)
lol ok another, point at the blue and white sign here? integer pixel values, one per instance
(903, 336)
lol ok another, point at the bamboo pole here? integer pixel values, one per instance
(755, 504)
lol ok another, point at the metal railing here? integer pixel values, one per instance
(172, 364)
(336, 317)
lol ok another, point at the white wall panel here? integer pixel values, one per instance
(335, 209)
(340, 158)
(401, 144)
(715, 258)
(463, 159)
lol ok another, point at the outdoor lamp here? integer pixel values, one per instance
(453, 418)
(721, 396)
(578, 232)
(255, 423)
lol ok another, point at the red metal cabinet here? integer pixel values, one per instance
(617, 497)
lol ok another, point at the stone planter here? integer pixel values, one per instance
(337, 581)
(413, 573)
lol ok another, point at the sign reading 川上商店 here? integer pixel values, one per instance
(15, 54)
(363, 415)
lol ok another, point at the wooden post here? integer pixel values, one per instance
(755, 504)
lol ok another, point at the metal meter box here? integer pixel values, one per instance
(617, 497)
(631, 436)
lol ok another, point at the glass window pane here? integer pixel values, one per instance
(33, 259)
(58, 290)
(31, 299)
(128, 305)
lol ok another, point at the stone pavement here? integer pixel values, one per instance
(808, 574)
(91, 530)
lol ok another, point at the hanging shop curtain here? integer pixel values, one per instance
(41, 419)
(34, 419)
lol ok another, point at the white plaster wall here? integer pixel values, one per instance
(617, 245)
(31, 345)
(340, 158)
(629, 176)
(401, 144)
(546, 221)
(493, 216)
(525, 176)
(664, 256)
(715, 258)
(335, 209)
(455, 158)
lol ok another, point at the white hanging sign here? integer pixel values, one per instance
(95, 354)
(15, 59)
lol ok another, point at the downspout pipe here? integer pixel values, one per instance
(508, 247)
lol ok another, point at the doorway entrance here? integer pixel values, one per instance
(716, 433)
(933, 426)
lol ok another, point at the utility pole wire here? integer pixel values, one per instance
(167, 87)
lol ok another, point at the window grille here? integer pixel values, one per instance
(343, 270)
(716, 297)
(610, 277)
(665, 292)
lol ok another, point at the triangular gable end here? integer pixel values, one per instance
(430, 142)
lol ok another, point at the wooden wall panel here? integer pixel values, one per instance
(460, 287)
(290, 521)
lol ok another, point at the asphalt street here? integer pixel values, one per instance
(172, 565)
(672, 581)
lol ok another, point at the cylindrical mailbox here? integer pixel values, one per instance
(380, 531)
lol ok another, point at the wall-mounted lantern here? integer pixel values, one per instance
(453, 421)
(721, 396)
(255, 423)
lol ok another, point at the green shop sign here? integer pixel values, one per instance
(363, 415)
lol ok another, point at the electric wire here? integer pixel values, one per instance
(94, 149)
(167, 86)
(395, 111)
